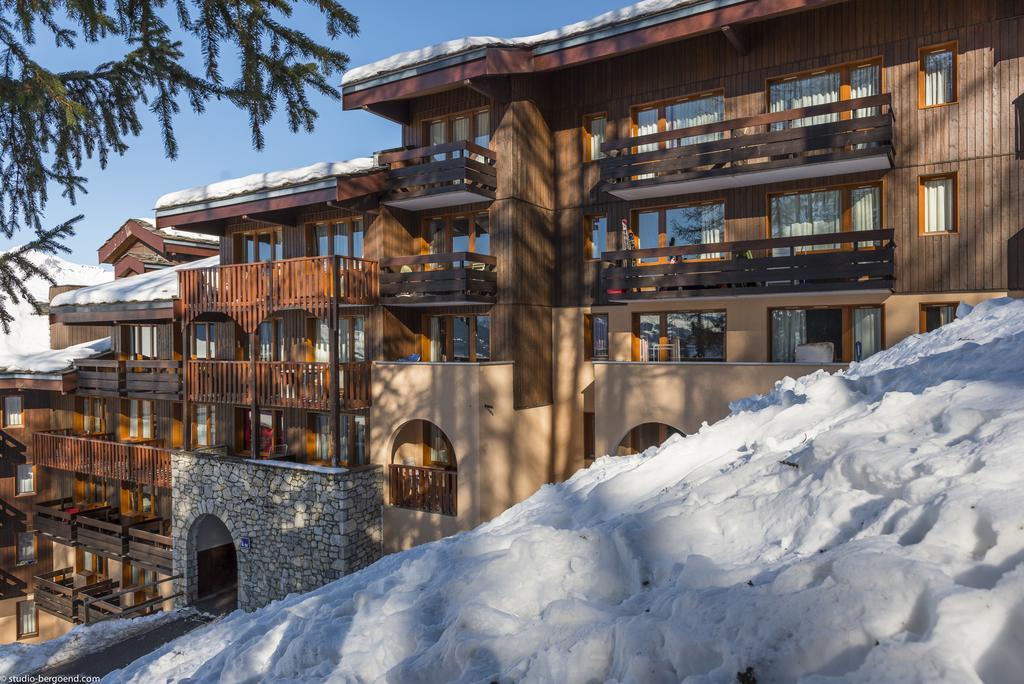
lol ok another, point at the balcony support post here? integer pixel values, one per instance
(333, 366)
(254, 434)
(186, 408)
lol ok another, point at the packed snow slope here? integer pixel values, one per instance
(864, 526)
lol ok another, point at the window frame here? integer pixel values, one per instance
(133, 336)
(663, 336)
(846, 211)
(847, 352)
(7, 424)
(661, 105)
(210, 423)
(588, 119)
(140, 420)
(844, 69)
(351, 221)
(588, 337)
(276, 245)
(17, 480)
(921, 219)
(449, 219)
(211, 334)
(87, 412)
(19, 561)
(923, 310)
(278, 431)
(449, 323)
(19, 607)
(588, 236)
(449, 126)
(952, 47)
(662, 209)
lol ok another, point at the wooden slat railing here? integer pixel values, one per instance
(56, 594)
(862, 126)
(56, 518)
(450, 277)
(104, 531)
(150, 545)
(142, 462)
(833, 261)
(279, 384)
(99, 377)
(248, 293)
(426, 171)
(112, 602)
(156, 378)
(423, 489)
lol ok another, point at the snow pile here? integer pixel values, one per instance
(27, 347)
(263, 181)
(865, 526)
(410, 58)
(17, 658)
(154, 286)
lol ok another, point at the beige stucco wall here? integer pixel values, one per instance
(49, 626)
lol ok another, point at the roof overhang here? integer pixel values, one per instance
(454, 71)
(112, 314)
(132, 231)
(50, 382)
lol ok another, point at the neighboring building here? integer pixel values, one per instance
(590, 239)
(139, 246)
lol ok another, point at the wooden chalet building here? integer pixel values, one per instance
(138, 246)
(587, 241)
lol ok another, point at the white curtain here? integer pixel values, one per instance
(322, 346)
(805, 92)
(866, 211)
(789, 331)
(808, 213)
(867, 332)
(864, 82)
(202, 436)
(27, 617)
(700, 112)
(938, 205)
(646, 124)
(595, 131)
(938, 78)
(26, 479)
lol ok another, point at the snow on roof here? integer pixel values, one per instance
(153, 286)
(859, 527)
(49, 360)
(175, 234)
(404, 60)
(257, 182)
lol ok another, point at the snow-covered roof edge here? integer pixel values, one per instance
(152, 286)
(176, 234)
(580, 30)
(258, 182)
(50, 361)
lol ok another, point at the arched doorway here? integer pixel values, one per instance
(423, 469)
(216, 565)
(644, 436)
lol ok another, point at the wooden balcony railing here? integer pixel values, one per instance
(100, 377)
(56, 518)
(808, 263)
(443, 175)
(56, 593)
(157, 379)
(456, 277)
(104, 531)
(423, 489)
(848, 136)
(279, 384)
(142, 462)
(150, 545)
(248, 293)
(115, 602)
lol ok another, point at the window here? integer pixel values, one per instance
(204, 341)
(320, 437)
(843, 82)
(671, 115)
(689, 224)
(595, 236)
(271, 432)
(269, 342)
(26, 548)
(94, 420)
(25, 480)
(437, 452)
(594, 127)
(204, 424)
(27, 619)
(13, 417)
(935, 316)
(139, 499)
(826, 334)
(936, 76)
(470, 125)
(141, 341)
(828, 210)
(353, 439)
(260, 245)
(589, 437)
(458, 233)
(937, 204)
(457, 338)
(679, 336)
(91, 562)
(90, 489)
(595, 333)
(351, 339)
(140, 419)
(339, 238)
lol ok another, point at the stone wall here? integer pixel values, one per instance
(303, 526)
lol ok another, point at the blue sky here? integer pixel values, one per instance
(216, 145)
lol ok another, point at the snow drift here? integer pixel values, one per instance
(863, 526)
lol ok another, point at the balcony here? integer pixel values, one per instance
(104, 531)
(429, 279)
(766, 148)
(150, 546)
(861, 260)
(248, 293)
(142, 462)
(423, 489)
(439, 176)
(100, 377)
(279, 384)
(153, 379)
(61, 593)
(56, 519)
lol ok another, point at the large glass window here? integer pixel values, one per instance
(264, 245)
(204, 341)
(27, 619)
(141, 341)
(140, 419)
(937, 204)
(94, 420)
(850, 81)
(680, 336)
(458, 233)
(595, 333)
(270, 432)
(320, 436)
(351, 339)
(25, 479)
(689, 224)
(673, 115)
(205, 422)
(594, 127)
(823, 211)
(934, 316)
(13, 415)
(826, 334)
(26, 548)
(595, 236)
(270, 342)
(458, 338)
(474, 126)
(937, 76)
(339, 238)
(353, 439)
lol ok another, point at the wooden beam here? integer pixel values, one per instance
(395, 110)
(736, 34)
(495, 88)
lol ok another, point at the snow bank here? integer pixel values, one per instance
(404, 60)
(864, 526)
(257, 182)
(27, 347)
(19, 658)
(146, 287)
